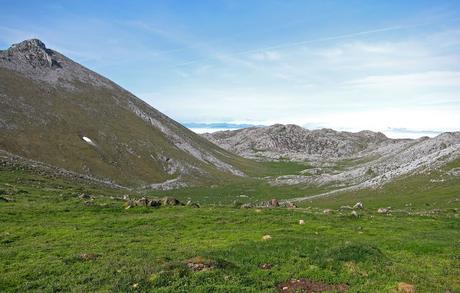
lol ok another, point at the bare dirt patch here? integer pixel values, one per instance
(200, 263)
(88, 256)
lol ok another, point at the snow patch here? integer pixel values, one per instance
(88, 140)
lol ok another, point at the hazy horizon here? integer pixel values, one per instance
(392, 67)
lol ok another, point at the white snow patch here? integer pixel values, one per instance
(88, 140)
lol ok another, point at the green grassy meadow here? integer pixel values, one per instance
(51, 240)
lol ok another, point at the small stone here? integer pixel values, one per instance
(301, 222)
(85, 196)
(327, 211)
(135, 285)
(291, 205)
(383, 210)
(265, 266)
(266, 237)
(406, 288)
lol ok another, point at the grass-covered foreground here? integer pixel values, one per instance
(50, 240)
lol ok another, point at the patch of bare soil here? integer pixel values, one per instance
(309, 286)
(88, 256)
(200, 263)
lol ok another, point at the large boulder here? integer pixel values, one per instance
(170, 201)
(358, 205)
(154, 203)
(274, 203)
(384, 210)
(192, 204)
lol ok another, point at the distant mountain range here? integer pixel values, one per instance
(396, 132)
(54, 110)
(361, 159)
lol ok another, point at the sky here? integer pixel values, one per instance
(389, 66)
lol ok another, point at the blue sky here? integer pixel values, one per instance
(391, 66)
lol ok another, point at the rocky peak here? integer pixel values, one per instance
(29, 45)
(34, 52)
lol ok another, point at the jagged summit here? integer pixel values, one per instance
(29, 45)
(34, 60)
(34, 52)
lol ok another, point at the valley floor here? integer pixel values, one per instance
(51, 240)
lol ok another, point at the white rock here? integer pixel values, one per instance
(266, 237)
(358, 205)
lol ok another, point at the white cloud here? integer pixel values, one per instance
(422, 79)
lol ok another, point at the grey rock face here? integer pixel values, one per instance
(344, 159)
(296, 143)
(35, 61)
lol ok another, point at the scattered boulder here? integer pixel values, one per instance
(328, 211)
(265, 266)
(384, 210)
(301, 222)
(154, 203)
(246, 206)
(142, 201)
(266, 237)
(85, 196)
(358, 205)
(166, 201)
(291, 205)
(405, 288)
(274, 203)
(192, 204)
(170, 201)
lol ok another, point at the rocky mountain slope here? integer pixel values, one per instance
(299, 144)
(342, 159)
(55, 111)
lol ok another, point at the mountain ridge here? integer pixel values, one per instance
(343, 159)
(56, 111)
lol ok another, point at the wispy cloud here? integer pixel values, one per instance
(420, 79)
(288, 45)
